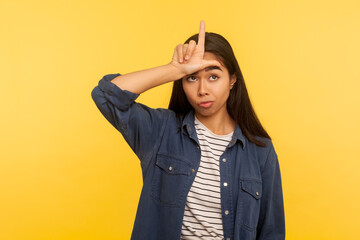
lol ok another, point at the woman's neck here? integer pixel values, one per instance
(220, 124)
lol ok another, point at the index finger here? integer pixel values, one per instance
(201, 39)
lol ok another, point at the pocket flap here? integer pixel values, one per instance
(172, 165)
(254, 188)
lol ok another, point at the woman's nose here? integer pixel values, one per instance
(202, 90)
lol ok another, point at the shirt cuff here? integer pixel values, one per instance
(120, 98)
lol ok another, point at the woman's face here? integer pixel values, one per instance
(208, 90)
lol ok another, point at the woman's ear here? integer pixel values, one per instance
(232, 81)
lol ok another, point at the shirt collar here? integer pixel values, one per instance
(189, 127)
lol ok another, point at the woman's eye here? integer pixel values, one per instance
(191, 78)
(213, 77)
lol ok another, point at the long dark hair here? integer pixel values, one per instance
(238, 104)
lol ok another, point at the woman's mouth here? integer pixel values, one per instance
(205, 104)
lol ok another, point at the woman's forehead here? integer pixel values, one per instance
(210, 56)
(209, 69)
(213, 56)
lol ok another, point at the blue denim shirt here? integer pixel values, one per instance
(251, 203)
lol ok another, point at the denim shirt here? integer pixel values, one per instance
(168, 148)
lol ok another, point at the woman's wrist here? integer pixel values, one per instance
(175, 72)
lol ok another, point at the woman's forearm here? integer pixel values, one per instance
(143, 80)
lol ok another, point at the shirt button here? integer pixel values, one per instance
(257, 193)
(197, 147)
(170, 168)
(224, 159)
(227, 238)
(225, 184)
(226, 212)
(192, 170)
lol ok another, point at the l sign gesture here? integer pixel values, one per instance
(189, 57)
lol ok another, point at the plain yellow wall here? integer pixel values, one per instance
(66, 173)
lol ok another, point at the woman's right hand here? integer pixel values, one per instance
(188, 58)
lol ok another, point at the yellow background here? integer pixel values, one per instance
(66, 173)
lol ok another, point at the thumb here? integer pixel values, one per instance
(209, 63)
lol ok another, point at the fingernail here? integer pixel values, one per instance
(181, 60)
(186, 57)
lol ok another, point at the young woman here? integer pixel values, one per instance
(210, 170)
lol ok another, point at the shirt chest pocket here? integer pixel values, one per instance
(249, 196)
(170, 180)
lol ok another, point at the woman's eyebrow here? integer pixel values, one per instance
(208, 69)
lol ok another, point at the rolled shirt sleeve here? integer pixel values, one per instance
(141, 126)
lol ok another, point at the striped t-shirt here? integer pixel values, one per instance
(202, 216)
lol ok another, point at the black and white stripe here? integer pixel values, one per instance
(202, 215)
